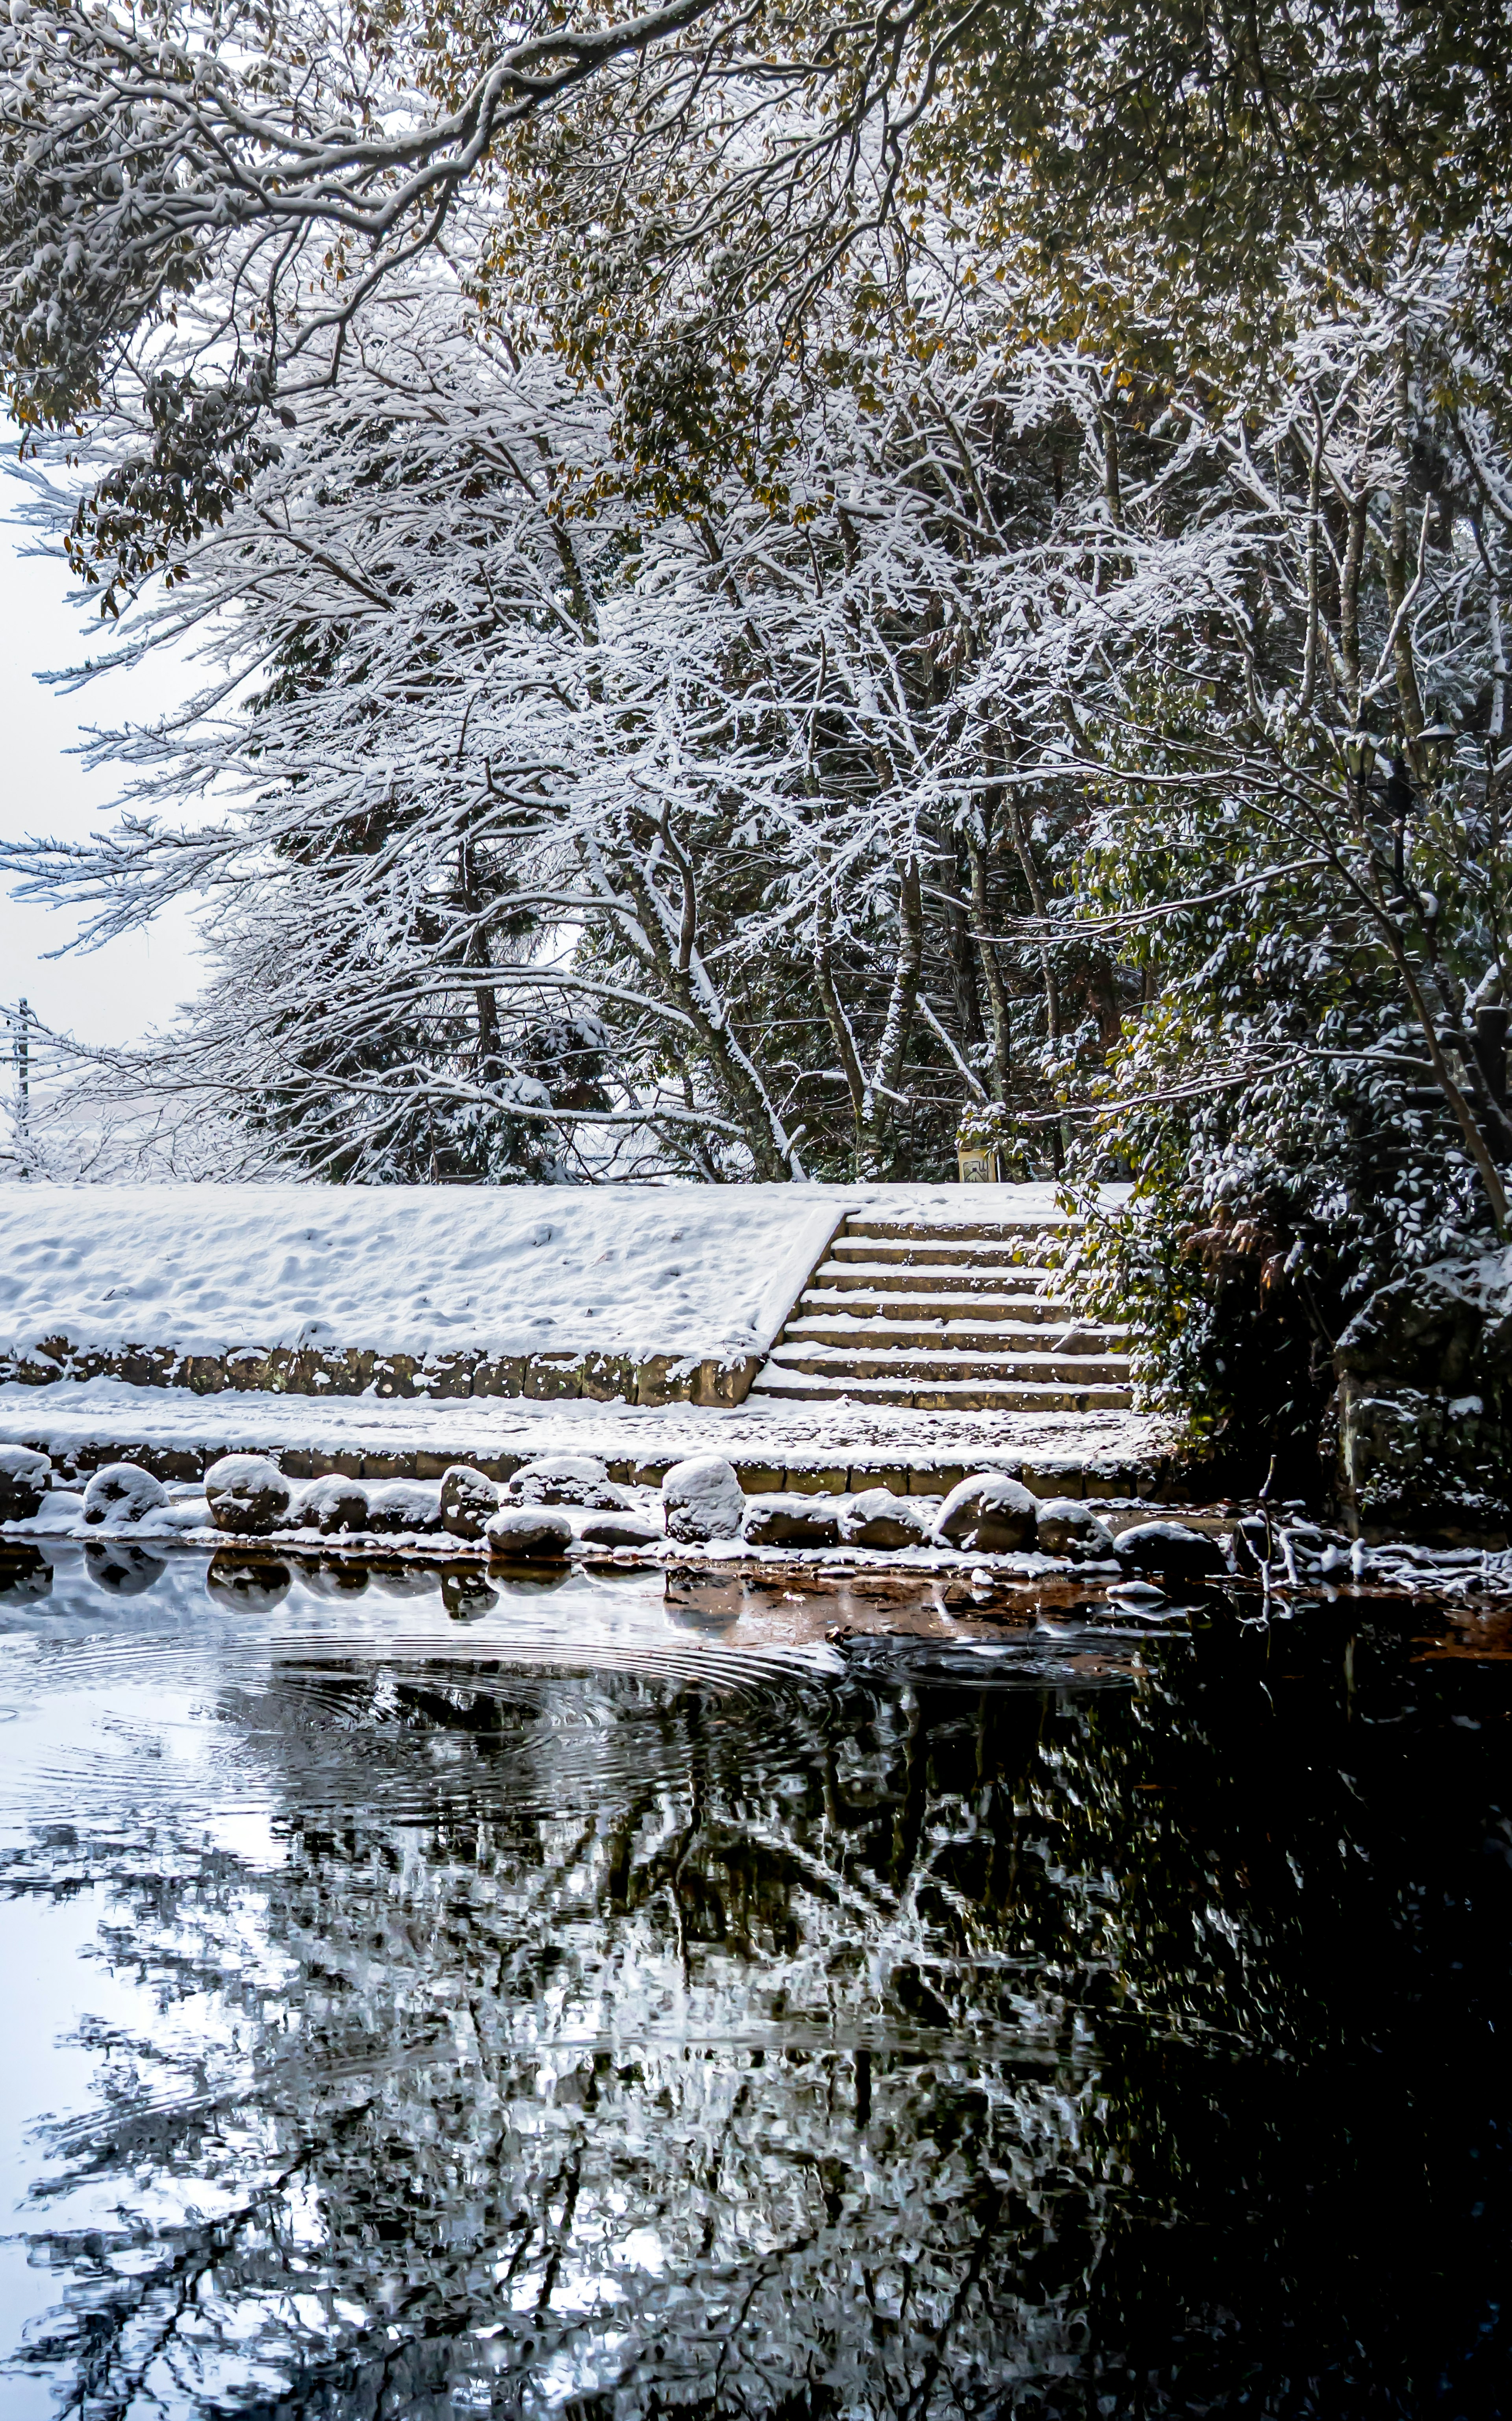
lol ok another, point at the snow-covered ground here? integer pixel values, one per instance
(705, 1271)
(65, 1419)
(418, 1270)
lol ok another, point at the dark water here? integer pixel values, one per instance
(556, 2003)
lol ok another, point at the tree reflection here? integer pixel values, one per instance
(24, 1574)
(649, 2040)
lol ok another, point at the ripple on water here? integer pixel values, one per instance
(270, 1681)
(414, 1691)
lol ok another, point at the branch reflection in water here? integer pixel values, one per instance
(510, 2001)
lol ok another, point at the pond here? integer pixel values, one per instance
(430, 1996)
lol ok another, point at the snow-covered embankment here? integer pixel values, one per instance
(650, 1294)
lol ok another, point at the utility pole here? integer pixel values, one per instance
(23, 1056)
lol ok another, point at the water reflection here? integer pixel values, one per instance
(465, 1593)
(122, 1569)
(24, 1573)
(532, 2004)
(250, 1581)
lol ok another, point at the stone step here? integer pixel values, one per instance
(957, 1396)
(988, 1232)
(893, 1277)
(958, 1335)
(903, 1362)
(913, 1303)
(938, 1252)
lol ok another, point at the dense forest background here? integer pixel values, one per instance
(769, 581)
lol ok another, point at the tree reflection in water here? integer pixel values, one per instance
(714, 2039)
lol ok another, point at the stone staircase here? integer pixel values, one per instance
(948, 1318)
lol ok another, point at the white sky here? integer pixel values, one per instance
(112, 995)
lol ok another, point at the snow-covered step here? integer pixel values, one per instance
(991, 1234)
(902, 1277)
(952, 1335)
(937, 1396)
(941, 1253)
(936, 1362)
(918, 1304)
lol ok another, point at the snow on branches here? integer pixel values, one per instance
(640, 735)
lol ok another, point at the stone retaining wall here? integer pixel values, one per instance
(298, 1371)
(1045, 1477)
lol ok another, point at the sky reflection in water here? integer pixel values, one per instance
(430, 2000)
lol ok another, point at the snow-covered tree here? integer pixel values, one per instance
(667, 709)
(1300, 838)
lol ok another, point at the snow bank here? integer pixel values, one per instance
(706, 1272)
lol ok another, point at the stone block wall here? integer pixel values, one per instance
(306, 1370)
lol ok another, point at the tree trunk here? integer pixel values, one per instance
(1354, 555)
(964, 994)
(1398, 567)
(997, 998)
(1037, 893)
(840, 1024)
(897, 1025)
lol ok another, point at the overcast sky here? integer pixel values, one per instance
(114, 994)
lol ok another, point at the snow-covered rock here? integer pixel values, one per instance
(332, 1505)
(990, 1512)
(1065, 1526)
(248, 1494)
(122, 1495)
(878, 1518)
(1136, 1595)
(703, 1499)
(791, 1521)
(184, 1513)
(403, 1508)
(469, 1500)
(62, 1509)
(24, 1481)
(618, 1530)
(1449, 1325)
(535, 1530)
(1170, 1552)
(565, 1479)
